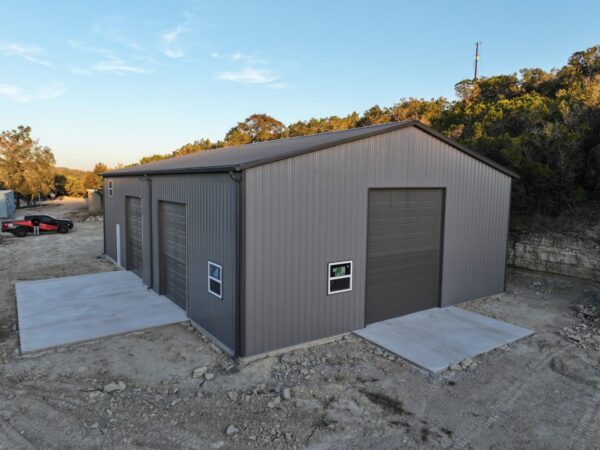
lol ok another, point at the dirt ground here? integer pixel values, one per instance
(541, 392)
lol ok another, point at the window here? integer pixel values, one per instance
(215, 274)
(339, 277)
(110, 188)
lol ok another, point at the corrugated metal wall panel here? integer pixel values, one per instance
(304, 212)
(210, 201)
(115, 213)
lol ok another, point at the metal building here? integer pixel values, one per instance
(276, 243)
(7, 204)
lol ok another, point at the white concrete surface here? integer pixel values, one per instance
(436, 338)
(65, 310)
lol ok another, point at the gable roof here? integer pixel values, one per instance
(238, 158)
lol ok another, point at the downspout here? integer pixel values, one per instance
(237, 177)
(103, 218)
(150, 237)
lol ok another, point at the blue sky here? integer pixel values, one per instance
(113, 81)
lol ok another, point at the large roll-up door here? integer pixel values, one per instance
(403, 252)
(134, 235)
(173, 261)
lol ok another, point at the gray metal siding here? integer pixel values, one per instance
(210, 201)
(304, 212)
(115, 213)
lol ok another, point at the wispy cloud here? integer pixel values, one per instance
(110, 63)
(248, 58)
(170, 47)
(249, 75)
(119, 29)
(116, 66)
(79, 71)
(87, 49)
(29, 53)
(21, 95)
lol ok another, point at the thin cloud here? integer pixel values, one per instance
(117, 29)
(110, 63)
(116, 66)
(29, 53)
(51, 91)
(249, 75)
(18, 94)
(169, 39)
(248, 58)
(87, 49)
(80, 71)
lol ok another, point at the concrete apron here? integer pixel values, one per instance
(67, 310)
(437, 338)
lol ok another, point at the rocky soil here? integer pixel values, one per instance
(171, 388)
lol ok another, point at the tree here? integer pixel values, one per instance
(74, 186)
(100, 168)
(153, 158)
(92, 181)
(25, 166)
(196, 146)
(543, 124)
(60, 185)
(256, 128)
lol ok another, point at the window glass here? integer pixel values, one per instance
(215, 272)
(339, 277)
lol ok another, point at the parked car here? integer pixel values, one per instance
(21, 227)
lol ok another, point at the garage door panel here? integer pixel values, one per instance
(412, 248)
(403, 251)
(173, 251)
(134, 235)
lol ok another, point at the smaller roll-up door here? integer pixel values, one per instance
(134, 235)
(173, 251)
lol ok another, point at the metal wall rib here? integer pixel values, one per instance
(304, 212)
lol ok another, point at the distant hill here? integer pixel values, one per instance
(70, 172)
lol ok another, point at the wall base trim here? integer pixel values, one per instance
(280, 351)
(212, 339)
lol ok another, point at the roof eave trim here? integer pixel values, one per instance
(181, 171)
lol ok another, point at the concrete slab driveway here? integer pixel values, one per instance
(65, 310)
(436, 338)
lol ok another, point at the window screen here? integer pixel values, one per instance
(339, 277)
(215, 274)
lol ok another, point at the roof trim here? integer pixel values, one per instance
(309, 149)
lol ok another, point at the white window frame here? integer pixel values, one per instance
(215, 279)
(110, 188)
(329, 277)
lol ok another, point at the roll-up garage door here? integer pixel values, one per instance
(403, 252)
(173, 261)
(134, 235)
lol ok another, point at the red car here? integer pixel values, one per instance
(21, 227)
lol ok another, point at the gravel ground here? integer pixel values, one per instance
(170, 388)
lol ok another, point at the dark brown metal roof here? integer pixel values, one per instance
(243, 157)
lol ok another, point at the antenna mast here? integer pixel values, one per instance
(477, 44)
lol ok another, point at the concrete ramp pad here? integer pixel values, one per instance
(439, 337)
(61, 311)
